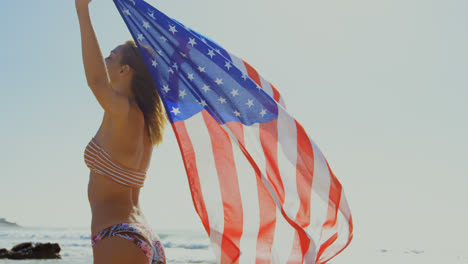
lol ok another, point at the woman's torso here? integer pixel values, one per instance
(128, 142)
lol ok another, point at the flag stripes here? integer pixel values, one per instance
(263, 190)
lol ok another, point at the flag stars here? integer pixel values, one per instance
(140, 37)
(244, 77)
(228, 65)
(250, 103)
(190, 76)
(160, 52)
(163, 38)
(237, 113)
(235, 92)
(171, 70)
(126, 12)
(203, 103)
(175, 111)
(219, 81)
(175, 66)
(205, 88)
(201, 69)
(154, 63)
(182, 94)
(217, 50)
(263, 112)
(173, 29)
(146, 25)
(211, 53)
(222, 100)
(166, 88)
(203, 40)
(151, 15)
(192, 42)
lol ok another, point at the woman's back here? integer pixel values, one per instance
(127, 144)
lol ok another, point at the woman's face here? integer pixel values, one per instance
(115, 70)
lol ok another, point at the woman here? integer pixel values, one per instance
(119, 154)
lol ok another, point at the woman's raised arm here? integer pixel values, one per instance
(95, 68)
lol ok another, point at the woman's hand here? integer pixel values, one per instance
(82, 3)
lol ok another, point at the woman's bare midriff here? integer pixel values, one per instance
(112, 203)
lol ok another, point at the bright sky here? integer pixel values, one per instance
(381, 87)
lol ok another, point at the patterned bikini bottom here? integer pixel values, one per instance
(141, 235)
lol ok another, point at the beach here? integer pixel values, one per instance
(188, 246)
(184, 246)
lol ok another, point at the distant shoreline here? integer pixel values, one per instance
(4, 222)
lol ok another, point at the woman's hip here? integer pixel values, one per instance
(140, 234)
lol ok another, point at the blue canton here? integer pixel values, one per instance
(192, 72)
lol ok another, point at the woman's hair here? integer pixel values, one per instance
(145, 91)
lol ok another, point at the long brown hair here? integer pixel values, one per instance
(145, 91)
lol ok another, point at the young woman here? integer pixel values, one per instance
(119, 154)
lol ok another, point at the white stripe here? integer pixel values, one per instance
(343, 224)
(249, 197)
(255, 149)
(138, 178)
(112, 174)
(116, 172)
(209, 181)
(342, 229)
(236, 61)
(114, 179)
(309, 257)
(89, 161)
(318, 200)
(344, 207)
(282, 102)
(266, 86)
(287, 158)
(133, 172)
(100, 149)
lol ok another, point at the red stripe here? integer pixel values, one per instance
(276, 94)
(304, 177)
(350, 224)
(332, 215)
(334, 200)
(267, 207)
(190, 163)
(266, 231)
(230, 192)
(266, 203)
(269, 141)
(253, 74)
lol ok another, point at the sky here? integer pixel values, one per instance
(380, 86)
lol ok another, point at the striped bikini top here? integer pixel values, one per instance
(101, 163)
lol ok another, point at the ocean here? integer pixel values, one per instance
(180, 246)
(187, 246)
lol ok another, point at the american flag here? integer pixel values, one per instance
(263, 190)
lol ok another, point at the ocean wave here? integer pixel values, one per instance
(185, 245)
(76, 244)
(45, 235)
